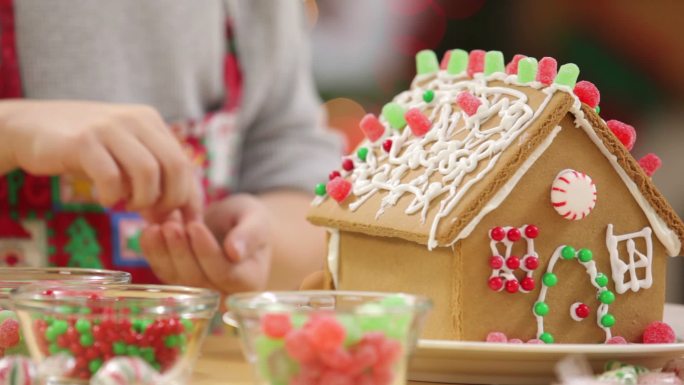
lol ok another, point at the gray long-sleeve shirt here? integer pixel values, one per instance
(169, 54)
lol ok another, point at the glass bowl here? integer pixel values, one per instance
(164, 326)
(324, 337)
(11, 338)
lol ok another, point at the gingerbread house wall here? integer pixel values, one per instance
(395, 265)
(529, 203)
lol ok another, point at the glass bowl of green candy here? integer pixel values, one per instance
(163, 326)
(11, 339)
(328, 337)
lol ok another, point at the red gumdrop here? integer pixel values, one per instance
(650, 163)
(527, 284)
(496, 337)
(512, 286)
(468, 102)
(347, 164)
(338, 359)
(9, 333)
(495, 283)
(587, 93)
(326, 334)
(515, 341)
(276, 325)
(616, 340)
(364, 357)
(371, 127)
(513, 235)
(497, 234)
(512, 67)
(445, 60)
(387, 145)
(338, 189)
(383, 376)
(419, 123)
(333, 175)
(496, 262)
(513, 262)
(547, 70)
(531, 263)
(390, 351)
(531, 231)
(333, 377)
(659, 333)
(625, 133)
(476, 60)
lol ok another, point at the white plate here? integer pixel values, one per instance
(503, 364)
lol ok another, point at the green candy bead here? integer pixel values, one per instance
(95, 365)
(527, 70)
(133, 351)
(298, 320)
(541, 309)
(60, 326)
(119, 348)
(50, 334)
(394, 114)
(567, 75)
(458, 62)
(87, 340)
(353, 332)
(547, 338)
(428, 96)
(66, 310)
(85, 310)
(494, 62)
(549, 279)
(585, 255)
(601, 280)
(426, 62)
(608, 320)
(320, 189)
(393, 301)
(135, 309)
(147, 354)
(568, 252)
(362, 153)
(264, 346)
(83, 326)
(607, 297)
(597, 109)
(187, 324)
(171, 341)
(156, 366)
(54, 349)
(373, 317)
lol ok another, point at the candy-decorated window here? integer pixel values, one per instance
(631, 257)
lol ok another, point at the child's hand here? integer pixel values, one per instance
(231, 252)
(126, 150)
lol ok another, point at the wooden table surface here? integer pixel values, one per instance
(222, 363)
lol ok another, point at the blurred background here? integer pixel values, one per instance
(632, 50)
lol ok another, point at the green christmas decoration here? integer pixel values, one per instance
(83, 247)
(527, 70)
(494, 62)
(133, 243)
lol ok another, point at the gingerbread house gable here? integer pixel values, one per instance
(447, 152)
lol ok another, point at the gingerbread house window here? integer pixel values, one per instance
(631, 267)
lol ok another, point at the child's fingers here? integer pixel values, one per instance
(154, 249)
(182, 256)
(101, 168)
(249, 236)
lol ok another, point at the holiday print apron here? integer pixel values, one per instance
(55, 221)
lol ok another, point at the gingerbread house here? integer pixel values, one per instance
(501, 193)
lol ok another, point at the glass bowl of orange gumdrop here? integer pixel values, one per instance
(328, 337)
(88, 327)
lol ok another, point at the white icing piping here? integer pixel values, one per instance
(334, 255)
(573, 312)
(620, 268)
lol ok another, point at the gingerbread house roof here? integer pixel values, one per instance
(450, 149)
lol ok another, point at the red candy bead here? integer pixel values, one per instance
(527, 284)
(298, 346)
(387, 145)
(326, 333)
(445, 60)
(333, 175)
(419, 123)
(339, 189)
(616, 340)
(512, 67)
(371, 127)
(347, 164)
(531, 263)
(496, 337)
(495, 283)
(659, 333)
(496, 262)
(582, 311)
(547, 70)
(276, 325)
(587, 93)
(513, 262)
(514, 235)
(512, 286)
(497, 234)
(650, 163)
(476, 61)
(531, 231)
(468, 102)
(625, 133)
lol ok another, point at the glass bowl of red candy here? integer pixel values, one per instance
(328, 337)
(11, 339)
(87, 326)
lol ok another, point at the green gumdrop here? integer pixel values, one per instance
(547, 338)
(458, 62)
(352, 328)
(320, 189)
(298, 320)
(527, 70)
(393, 301)
(362, 153)
(568, 252)
(394, 114)
(281, 368)
(426, 62)
(7, 314)
(567, 75)
(264, 346)
(601, 280)
(373, 317)
(541, 309)
(494, 62)
(607, 297)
